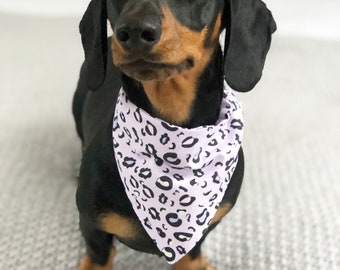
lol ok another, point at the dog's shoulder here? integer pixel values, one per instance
(99, 186)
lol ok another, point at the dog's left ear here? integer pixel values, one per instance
(249, 26)
(93, 29)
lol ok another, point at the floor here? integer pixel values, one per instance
(287, 216)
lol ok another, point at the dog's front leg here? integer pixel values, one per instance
(87, 263)
(194, 260)
(99, 247)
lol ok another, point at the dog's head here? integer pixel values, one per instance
(155, 39)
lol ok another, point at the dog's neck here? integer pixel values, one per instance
(190, 99)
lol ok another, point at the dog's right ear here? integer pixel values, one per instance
(93, 30)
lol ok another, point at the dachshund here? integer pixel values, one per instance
(167, 58)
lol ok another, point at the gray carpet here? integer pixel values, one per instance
(288, 214)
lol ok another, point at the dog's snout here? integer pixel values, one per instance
(134, 34)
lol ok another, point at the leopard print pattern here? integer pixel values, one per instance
(175, 177)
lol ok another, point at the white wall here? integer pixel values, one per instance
(307, 18)
(44, 7)
(303, 18)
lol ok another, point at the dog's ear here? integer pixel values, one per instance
(249, 26)
(93, 29)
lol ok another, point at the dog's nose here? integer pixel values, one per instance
(138, 33)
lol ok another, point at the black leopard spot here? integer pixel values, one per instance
(223, 135)
(181, 250)
(121, 136)
(150, 149)
(189, 142)
(163, 199)
(134, 182)
(127, 132)
(178, 177)
(164, 139)
(202, 218)
(164, 183)
(173, 220)
(129, 162)
(216, 178)
(182, 236)
(169, 254)
(147, 223)
(138, 116)
(160, 232)
(122, 116)
(172, 147)
(198, 173)
(150, 129)
(193, 182)
(158, 161)
(115, 124)
(145, 173)
(148, 192)
(238, 138)
(229, 163)
(168, 127)
(197, 157)
(192, 229)
(213, 198)
(186, 200)
(236, 124)
(154, 213)
(136, 135)
(172, 158)
(213, 142)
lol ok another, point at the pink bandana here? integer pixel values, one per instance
(175, 177)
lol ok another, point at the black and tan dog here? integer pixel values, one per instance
(166, 55)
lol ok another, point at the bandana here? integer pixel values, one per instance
(175, 177)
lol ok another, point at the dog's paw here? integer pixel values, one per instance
(186, 263)
(209, 267)
(87, 264)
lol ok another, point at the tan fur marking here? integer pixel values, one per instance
(177, 41)
(173, 96)
(215, 37)
(86, 263)
(221, 212)
(117, 225)
(186, 263)
(118, 52)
